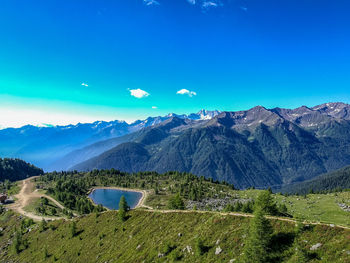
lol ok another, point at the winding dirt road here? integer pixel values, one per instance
(26, 195)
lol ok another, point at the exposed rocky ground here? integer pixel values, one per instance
(215, 204)
(344, 207)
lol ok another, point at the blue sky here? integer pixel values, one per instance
(223, 54)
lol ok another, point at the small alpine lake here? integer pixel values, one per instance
(110, 198)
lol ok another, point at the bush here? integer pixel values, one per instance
(176, 202)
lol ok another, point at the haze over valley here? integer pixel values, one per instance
(193, 131)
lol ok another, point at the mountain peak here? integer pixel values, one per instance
(337, 110)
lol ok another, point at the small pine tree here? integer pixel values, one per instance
(257, 247)
(237, 207)
(73, 229)
(266, 203)
(283, 210)
(176, 202)
(123, 208)
(43, 225)
(17, 242)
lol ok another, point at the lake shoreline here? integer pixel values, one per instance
(140, 202)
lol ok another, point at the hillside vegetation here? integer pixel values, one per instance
(16, 169)
(148, 236)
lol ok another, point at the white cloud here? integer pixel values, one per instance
(139, 93)
(84, 84)
(186, 92)
(244, 8)
(154, 107)
(210, 4)
(151, 2)
(192, 2)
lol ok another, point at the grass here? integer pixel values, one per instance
(312, 207)
(15, 188)
(145, 235)
(37, 203)
(319, 207)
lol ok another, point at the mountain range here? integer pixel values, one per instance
(46, 146)
(259, 147)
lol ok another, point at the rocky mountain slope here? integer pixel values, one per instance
(259, 147)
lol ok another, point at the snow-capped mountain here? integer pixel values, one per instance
(42, 145)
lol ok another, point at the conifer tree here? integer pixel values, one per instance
(257, 246)
(266, 203)
(73, 229)
(123, 208)
(17, 242)
(43, 225)
(176, 202)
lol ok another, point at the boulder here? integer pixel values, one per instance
(218, 250)
(188, 248)
(316, 246)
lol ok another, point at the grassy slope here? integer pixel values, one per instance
(319, 207)
(35, 203)
(312, 207)
(103, 239)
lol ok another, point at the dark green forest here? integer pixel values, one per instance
(16, 169)
(336, 181)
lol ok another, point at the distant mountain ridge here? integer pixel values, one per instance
(259, 147)
(44, 146)
(332, 181)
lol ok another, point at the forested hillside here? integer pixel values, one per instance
(16, 169)
(333, 181)
(259, 147)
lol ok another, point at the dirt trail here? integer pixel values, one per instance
(26, 194)
(247, 215)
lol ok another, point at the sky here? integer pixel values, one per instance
(75, 61)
